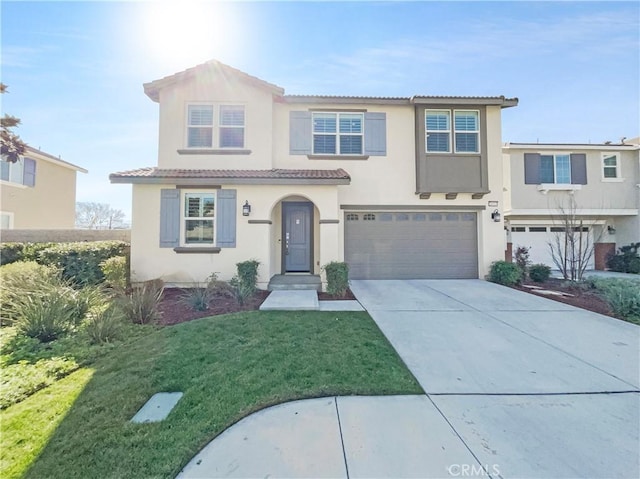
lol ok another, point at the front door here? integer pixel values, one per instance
(297, 231)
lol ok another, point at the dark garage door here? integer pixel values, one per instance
(385, 245)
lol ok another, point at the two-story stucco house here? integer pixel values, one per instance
(599, 182)
(38, 192)
(396, 187)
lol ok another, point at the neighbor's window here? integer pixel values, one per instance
(200, 126)
(465, 131)
(199, 218)
(555, 169)
(231, 126)
(610, 165)
(338, 133)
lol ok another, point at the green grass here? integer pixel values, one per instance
(227, 367)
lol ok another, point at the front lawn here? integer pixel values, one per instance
(227, 366)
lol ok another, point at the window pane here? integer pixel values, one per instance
(198, 231)
(438, 142)
(5, 170)
(467, 142)
(324, 123)
(563, 169)
(324, 144)
(610, 172)
(231, 137)
(546, 169)
(350, 123)
(466, 121)
(208, 206)
(200, 115)
(199, 205)
(438, 120)
(200, 137)
(610, 161)
(351, 145)
(232, 115)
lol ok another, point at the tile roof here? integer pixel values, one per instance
(156, 175)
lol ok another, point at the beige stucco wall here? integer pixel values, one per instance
(253, 241)
(50, 204)
(215, 89)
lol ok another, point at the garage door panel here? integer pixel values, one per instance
(411, 245)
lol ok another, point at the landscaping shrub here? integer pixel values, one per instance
(244, 283)
(80, 262)
(48, 313)
(116, 272)
(20, 279)
(521, 257)
(623, 296)
(240, 290)
(539, 273)
(140, 305)
(505, 273)
(11, 252)
(337, 278)
(197, 298)
(104, 324)
(32, 250)
(626, 260)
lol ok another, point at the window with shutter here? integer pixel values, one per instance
(338, 133)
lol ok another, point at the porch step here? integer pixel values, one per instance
(288, 282)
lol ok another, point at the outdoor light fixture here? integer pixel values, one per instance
(611, 230)
(246, 208)
(495, 216)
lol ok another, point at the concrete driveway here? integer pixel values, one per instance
(532, 387)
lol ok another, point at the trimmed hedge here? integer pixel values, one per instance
(337, 278)
(505, 273)
(80, 262)
(13, 252)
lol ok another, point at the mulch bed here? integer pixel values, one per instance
(174, 310)
(581, 297)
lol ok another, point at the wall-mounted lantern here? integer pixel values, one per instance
(611, 230)
(246, 208)
(495, 216)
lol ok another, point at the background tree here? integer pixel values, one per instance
(12, 147)
(574, 245)
(98, 216)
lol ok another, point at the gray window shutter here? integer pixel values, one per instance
(226, 219)
(29, 174)
(375, 134)
(300, 133)
(169, 218)
(532, 168)
(578, 169)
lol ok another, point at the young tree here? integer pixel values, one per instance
(572, 246)
(11, 147)
(98, 216)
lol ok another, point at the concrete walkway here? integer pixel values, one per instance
(516, 386)
(305, 300)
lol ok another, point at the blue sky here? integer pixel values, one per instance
(75, 69)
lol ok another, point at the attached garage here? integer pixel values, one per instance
(411, 245)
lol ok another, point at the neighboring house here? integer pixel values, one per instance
(38, 192)
(602, 181)
(396, 187)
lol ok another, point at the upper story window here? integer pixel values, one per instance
(338, 133)
(464, 137)
(611, 166)
(201, 127)
(555, 169)
(22, 172)
(199, 218)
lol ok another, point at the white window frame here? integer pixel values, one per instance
(184, 218)
(427, 131)
(555, 168)
(15, 170)
(216, 125)
(477, 132)
(618, 178)
(9, 215)
(337, 133)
